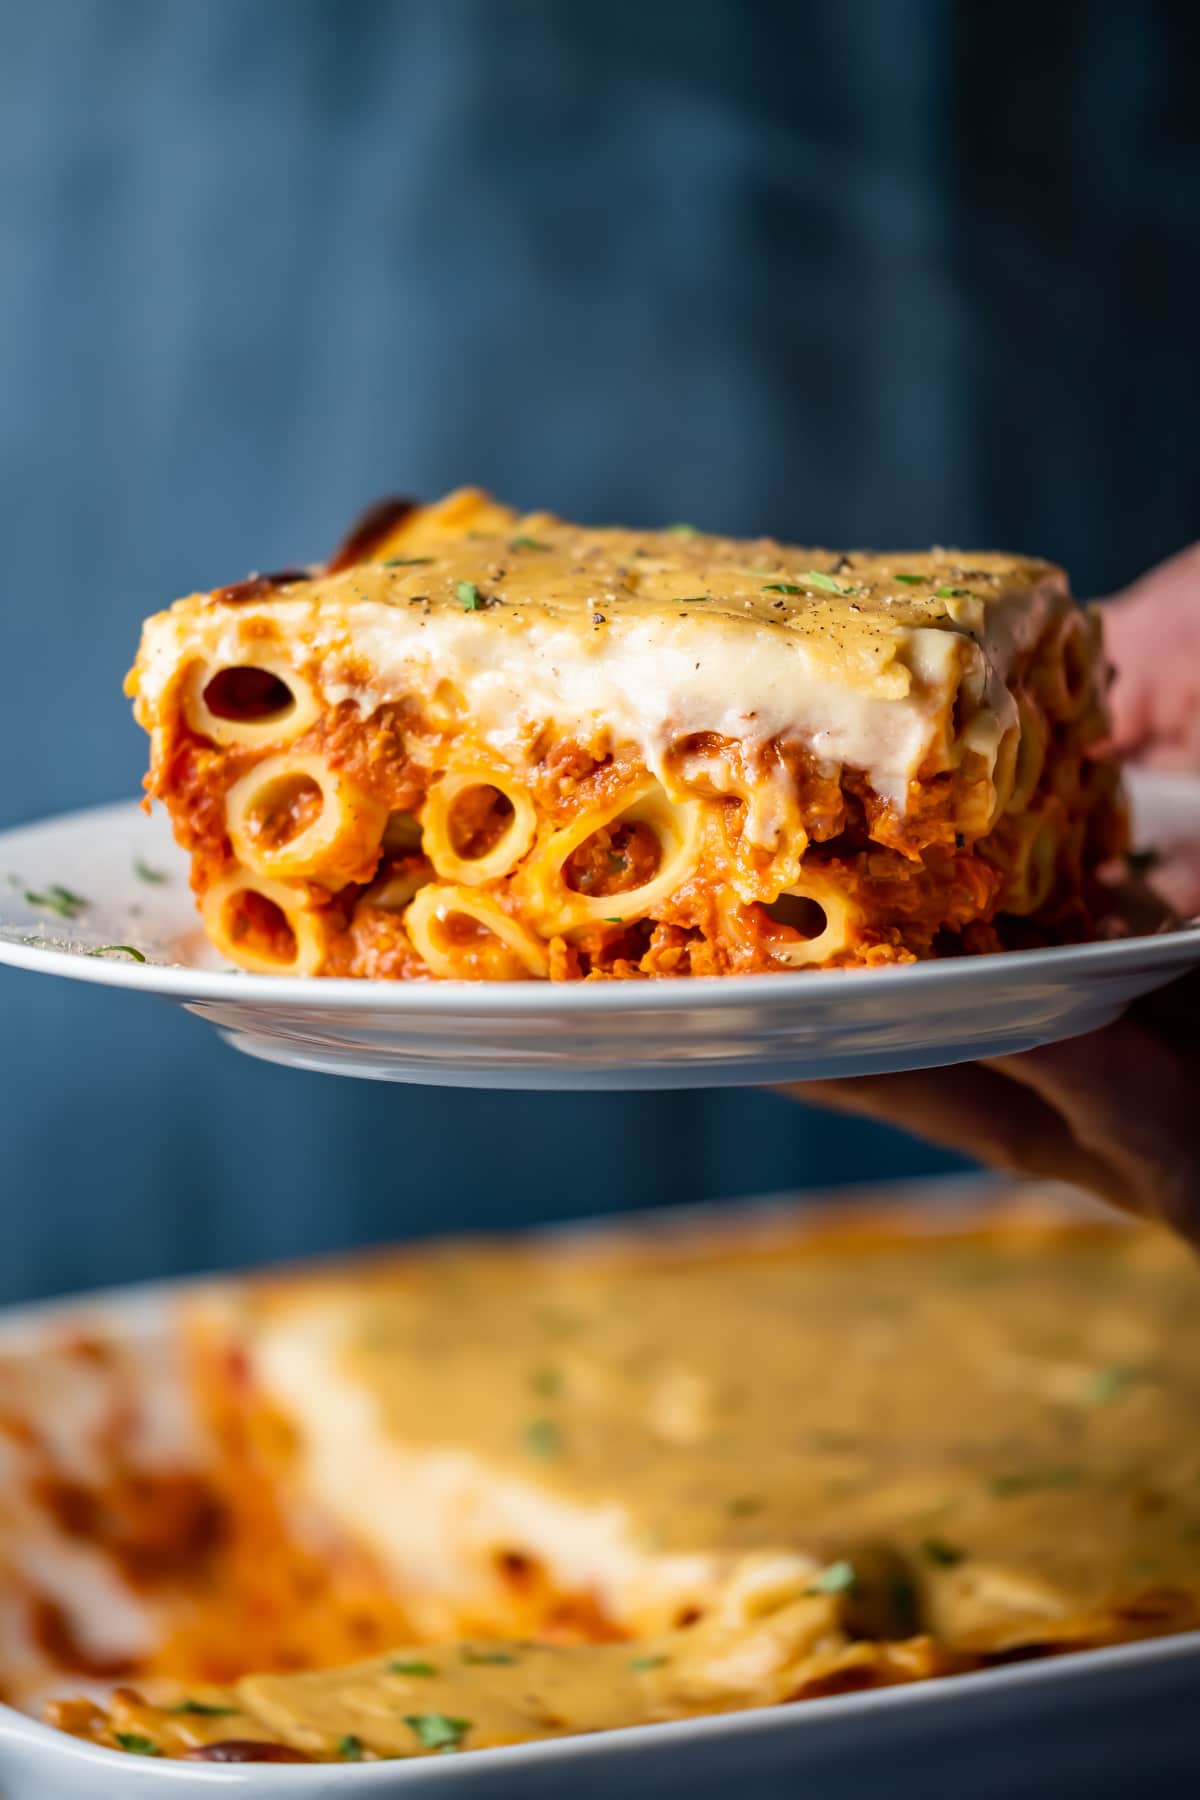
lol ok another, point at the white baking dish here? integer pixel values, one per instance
(1107, 1722)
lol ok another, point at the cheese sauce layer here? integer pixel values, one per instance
(647, 637)
(775, 1467)
(642, 1424)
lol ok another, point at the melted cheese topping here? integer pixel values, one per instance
(647, 637)
(641, 1427)
(774, 1639)
(783, 1465)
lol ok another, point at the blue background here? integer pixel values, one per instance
(864, 271)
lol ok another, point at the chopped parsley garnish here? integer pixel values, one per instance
(543, 1438)
(547, 1382)
(744, 1506)
(781, 587)
(412, 1668)
(688, 599)
(58, 900)
(350, 1748)
(838, 1578)
(438, 1731)
(943, 1555)
(114, 949)
(911, 580)
(201, 1709)
(682, 530)
(613, 921)
(949, 593)
(646, 1662)
(1106, 1384)
(136, 1744)
(146, 872)
(527, 543)
(818, 579)
(486, 1658)
(1030, 1480)
(405, 562)
(469, 596)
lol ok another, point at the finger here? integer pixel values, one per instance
(1130, 698)
(975, 1110)
(1177, 880)
(1130, 1104)
(1154, 702)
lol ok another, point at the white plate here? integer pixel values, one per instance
(1103, 1724)
(717, 1032)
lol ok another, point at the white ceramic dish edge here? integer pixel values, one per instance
(847, 1739)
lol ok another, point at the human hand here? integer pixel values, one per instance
(1118, 1111)
(1152, 632)
(1114, 1112)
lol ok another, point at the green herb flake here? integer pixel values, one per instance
(543, 1439)
(547, 1382)
(136, 1744)
(744, 1506)
(689, 599)
(952, 593)
(58, 900)
(781, 587)
(943, 1555)
(682, 530)
(641, 1663)
(838, 1578)
(118, 949)
(528, 543)
(350, 1748)
(482, 1659)
(438, 1731)
(613, 921)
(200, 1709)
(412, 1668)
(146, 872)
(469, 596)
(911, 580)
(405, 562)
(1028, 1481)
(818, 579)
(1106, 1384)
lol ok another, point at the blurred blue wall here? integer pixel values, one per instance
(856, 271)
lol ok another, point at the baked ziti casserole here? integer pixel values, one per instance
(608, 1482)
(492, 746)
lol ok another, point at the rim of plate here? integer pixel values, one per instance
(1068, 1670)
(666, 994)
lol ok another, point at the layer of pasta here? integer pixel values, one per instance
(640, 1480)
(496, 747)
